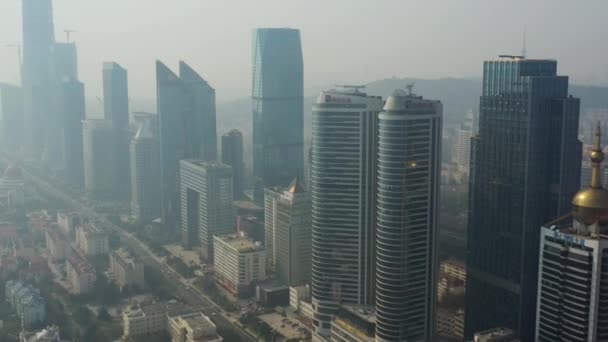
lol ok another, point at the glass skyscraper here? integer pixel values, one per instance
(343, 187)
(277, 102)
(409, 166)
(525, 168)
(186, 109)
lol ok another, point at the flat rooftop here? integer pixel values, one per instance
(240, 243)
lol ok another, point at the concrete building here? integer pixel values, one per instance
(29, 306)
(496, 335)
(409, 166)
(150, 318)
(194, 327)
(450, 323)
(299, 300)
(206, 201)
(92, 240)
(145, 171)
(354, 323)
(292, 234)
(72, 109)
(67, 222)
(99, 161)
(344, 126)
(232, 155)
(573, 272)
(239, 263)
(464, 133)
(80, 274)
(126, 270)
(58, 247)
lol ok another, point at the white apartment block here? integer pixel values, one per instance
(238, 263)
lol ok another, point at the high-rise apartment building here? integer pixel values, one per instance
(409, 169)
(145, 171)
(99, 161)
(206, 203)
(232, 154)
(573, 274)
(343, 187)
(186, 109)
(292, 234)
(38, 37)
(524, 171)
(277, 102)
(71, 139)
(116, 110)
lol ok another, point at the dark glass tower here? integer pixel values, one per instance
(277, 102)
(186, 109)
(232, 154)
(116, 109)
(38, 37)
(409, 166)
(525, 168)
(73, 106)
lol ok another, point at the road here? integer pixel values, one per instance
(185, 291)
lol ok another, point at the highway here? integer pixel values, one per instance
(185, 291)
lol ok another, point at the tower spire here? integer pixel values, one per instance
(597, 156)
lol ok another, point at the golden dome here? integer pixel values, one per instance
(591, 205)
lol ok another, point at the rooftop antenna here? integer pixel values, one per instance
(67, 35)
(524, 50)
(410, 88)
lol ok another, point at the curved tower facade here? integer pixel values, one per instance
(409, 166)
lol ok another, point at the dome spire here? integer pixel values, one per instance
(597, 157)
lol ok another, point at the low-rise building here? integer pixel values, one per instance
(151, 318)
(299, 300)
(354, 324)
(92, 240)
(80, 273)
(193, 327)
(26, 301)
(59, 249)
(126, 270)
(239, 263)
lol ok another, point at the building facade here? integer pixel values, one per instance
(58, 247)
(232, 155)
(186, 110)
(11, 117)
(525, 170)
(71, 139)
(239, 263)
(150, 318)
(354, 323)
(126, 270)
(29, 306)
(99, 161)
(80, 274)
(463, 143)
(145, 171)
(343, 184)
(206, 203)
(193, 327)
(409, 166)
(277, 102)
(92, 240)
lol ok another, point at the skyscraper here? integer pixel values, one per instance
(573, 274)
(409, 167)
(292, 230)
(38, 37)
(116, 110)
(344, 129)
(524, 171)
(71, 141)
(232, 154)
(463, 142)
(11, 116)
(145, 170)
(98, 146)
(277, 102)
(206, 196)
(186, 109)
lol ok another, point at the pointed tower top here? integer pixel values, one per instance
(296, 186)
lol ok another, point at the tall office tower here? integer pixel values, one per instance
(11, 116)
(232, 154)
(463, 143)
(186, 109)
(63, 67)
(145, 171)
(292, 229)
(38, 37)
(524, 171)
(270, 200)
(409, 175)
(98, 146)
(344, 130)
(206, 203)
(573, 274)
(277, 102)
(116, 110)
(71, 141)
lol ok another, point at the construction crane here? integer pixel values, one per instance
(67, 34)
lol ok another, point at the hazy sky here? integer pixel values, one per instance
(343, 41)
